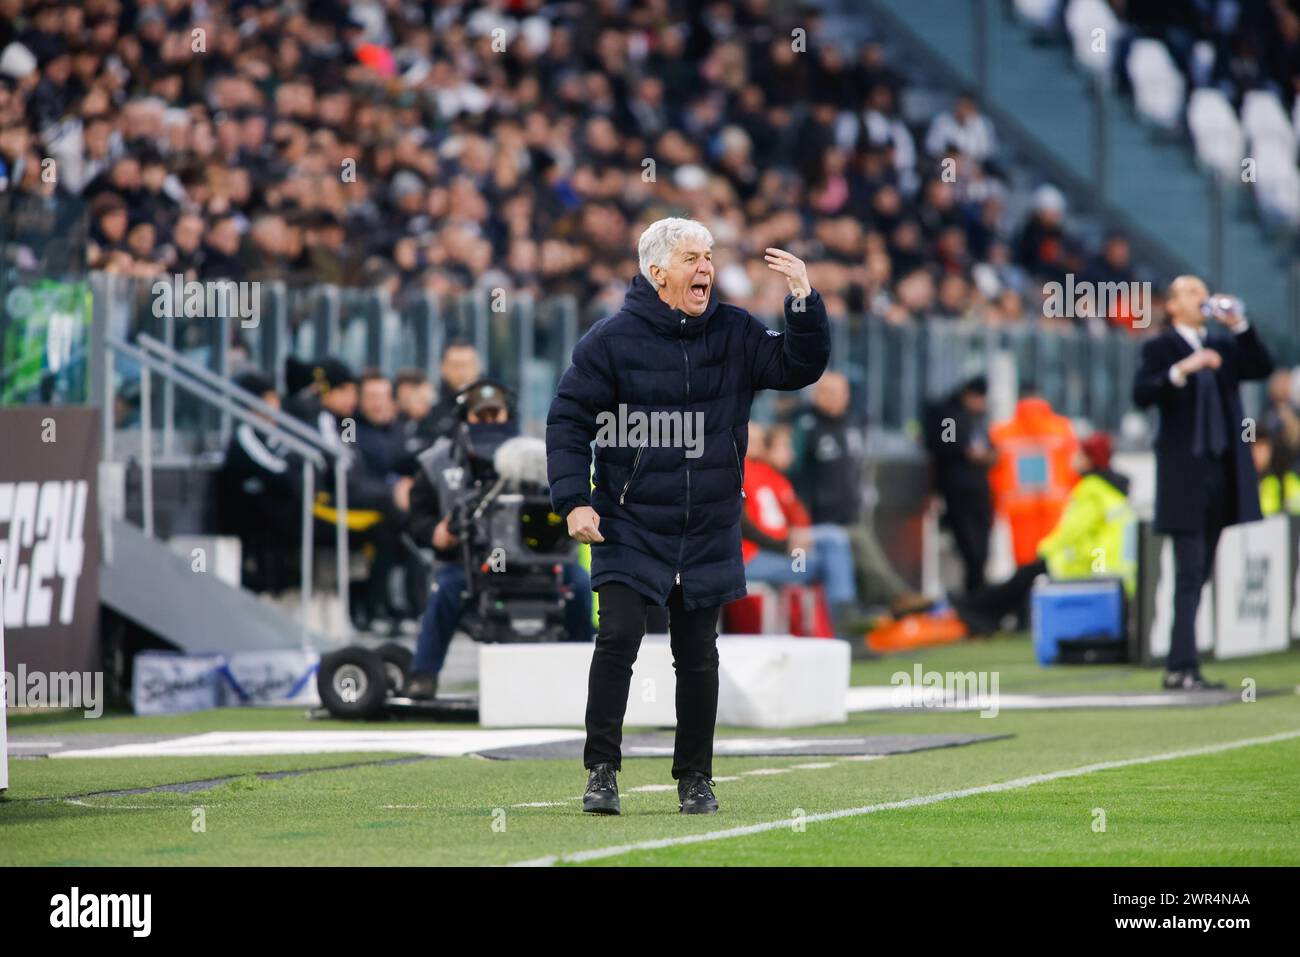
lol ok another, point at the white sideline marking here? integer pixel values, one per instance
(765, 771)
(919, 801)
(78, 802)
(898, 698)
(437, 743)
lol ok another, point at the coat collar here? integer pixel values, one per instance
(643, 302)
(1181, 344)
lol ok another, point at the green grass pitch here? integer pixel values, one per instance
(1232, 806)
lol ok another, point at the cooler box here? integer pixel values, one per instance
(1078, 620)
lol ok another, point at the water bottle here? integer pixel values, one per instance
(1218, 306)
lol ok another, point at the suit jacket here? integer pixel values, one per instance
(1181, 496)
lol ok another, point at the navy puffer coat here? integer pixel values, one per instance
(667, 517)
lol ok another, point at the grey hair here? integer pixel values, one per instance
(660, 238)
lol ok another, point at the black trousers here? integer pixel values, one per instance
(1193, 565)
(984, 608)
(694, 639)
(971, 522)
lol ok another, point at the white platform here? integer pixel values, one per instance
(764, 681)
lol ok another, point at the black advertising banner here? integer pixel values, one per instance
(49, 537)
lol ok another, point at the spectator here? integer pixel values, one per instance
(962, 130)
(780, 543)
(460, 367)
(375, 505)
(829, 478)
(415, 412)
(259, 494)
(957, 439)
(1281, 421)
(1042, 248)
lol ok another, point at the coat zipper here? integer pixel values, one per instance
(740, 469)
(681, 340)
(636, 463)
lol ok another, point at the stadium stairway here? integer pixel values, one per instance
(1150, 184)
(146, 582)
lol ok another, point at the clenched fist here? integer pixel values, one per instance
(584, 525)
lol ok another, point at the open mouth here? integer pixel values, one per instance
(699, 292)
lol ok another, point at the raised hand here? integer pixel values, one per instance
(791, 267)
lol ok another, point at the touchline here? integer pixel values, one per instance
(102, 910)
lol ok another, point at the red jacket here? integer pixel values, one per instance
(770, 503)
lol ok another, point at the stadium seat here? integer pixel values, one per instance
(1264, 119)
(807, 611)
(1039, 13)
(756, 614)
(799, 610)
(1158, 86)
(1277, 183)
(1082, 17)
(1220, 142)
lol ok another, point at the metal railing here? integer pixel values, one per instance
(155, 358)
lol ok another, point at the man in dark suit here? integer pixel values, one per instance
(1205, 476)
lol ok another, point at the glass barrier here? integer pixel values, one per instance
(894, 371)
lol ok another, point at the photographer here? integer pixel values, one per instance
(445, 481)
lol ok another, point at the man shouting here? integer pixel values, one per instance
(663, 512)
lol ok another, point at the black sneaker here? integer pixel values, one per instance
(1190, 681)
(695, 794)
(421, 686)
(601, 796)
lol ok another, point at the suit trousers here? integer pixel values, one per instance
(694, 640)
(1194, 563)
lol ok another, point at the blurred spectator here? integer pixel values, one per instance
(415, 411)
(460, 367)
(957, 439)
(376, 502)
(962, 130)
(829, 478)
(1279, 485)
(781, 545)
(1281, 421)
(259, 498)
(1042, 247)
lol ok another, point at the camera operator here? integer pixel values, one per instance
(445, 480)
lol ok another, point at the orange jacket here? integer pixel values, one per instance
(1034, 473)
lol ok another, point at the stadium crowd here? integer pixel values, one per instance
(463, 146)
(1233, 45)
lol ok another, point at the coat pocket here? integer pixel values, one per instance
(636, 464)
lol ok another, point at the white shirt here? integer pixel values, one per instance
(1195, 338)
